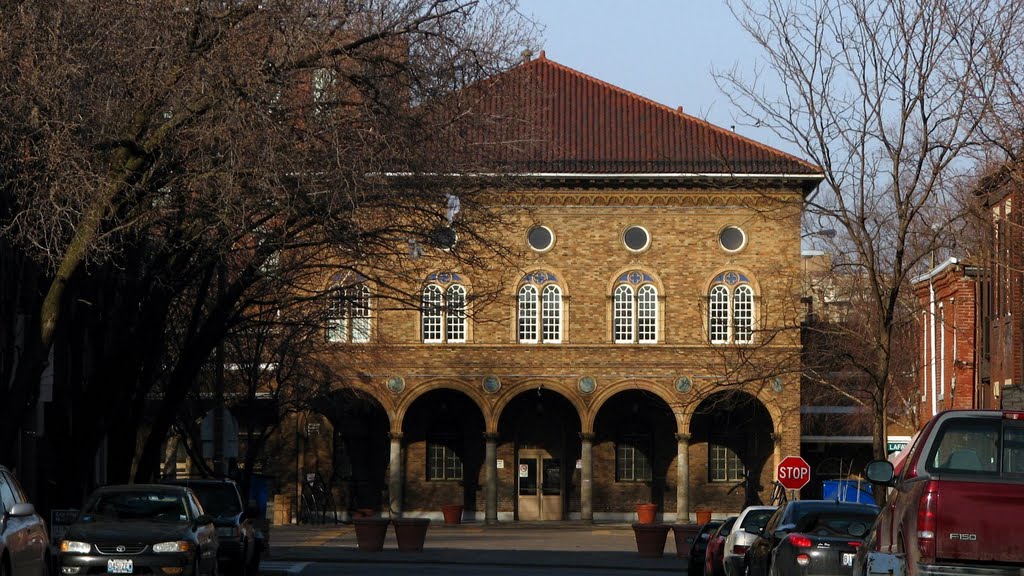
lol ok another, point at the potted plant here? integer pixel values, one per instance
(646, 513)
(452, 513)
(703, 515)
(410, 533)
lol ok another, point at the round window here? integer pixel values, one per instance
(732, 238)
(636, 238)
(541, 238)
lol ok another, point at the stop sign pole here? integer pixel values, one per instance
(794, 472)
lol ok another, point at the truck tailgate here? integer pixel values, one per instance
(980, 521)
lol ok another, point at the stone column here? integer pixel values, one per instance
(587, 478)
(682, 478)
(396, 476)
(491, 479)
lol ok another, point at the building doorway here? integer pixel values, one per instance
(540, 485)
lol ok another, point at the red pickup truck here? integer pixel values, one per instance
(956, 507)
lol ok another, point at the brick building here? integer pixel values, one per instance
(950, 339)
(645, 349)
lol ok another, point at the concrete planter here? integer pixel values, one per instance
(370, 533)
(650, 539)
(410, 533)
(685, 535)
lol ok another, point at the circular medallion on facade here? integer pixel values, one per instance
(732, 239)
(776, 384)
(587, 384)
(396, 384)
(683, 384)
(636, 238)
(491, 384)
(540, 238)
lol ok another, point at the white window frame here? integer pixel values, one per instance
(623, 314)
(539, 314)
(635, 314)
(720, 460)
(443, 314)
(731, 314)
(528, 309)
(551, 314)
(719, 305)
(349, 316)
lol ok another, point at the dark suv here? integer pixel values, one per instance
(240, 543)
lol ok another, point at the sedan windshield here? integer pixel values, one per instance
(159, 507)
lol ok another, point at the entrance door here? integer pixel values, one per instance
(540, 485)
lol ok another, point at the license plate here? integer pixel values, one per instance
(847, 559)
(119, 566)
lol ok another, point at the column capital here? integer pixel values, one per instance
(587, 436)
(395, 435)
(683, 437)
(491, 436)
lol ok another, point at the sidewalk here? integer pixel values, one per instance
(608, 546)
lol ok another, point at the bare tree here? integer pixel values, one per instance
(170, 166)
(888, 97)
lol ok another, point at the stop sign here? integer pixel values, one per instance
(794, 472)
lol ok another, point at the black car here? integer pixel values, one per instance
(240, 543)
(140, 529)
(700, 547)
(809, 537)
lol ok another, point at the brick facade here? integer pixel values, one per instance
(574, 402)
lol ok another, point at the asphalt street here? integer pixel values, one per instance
(550, 548)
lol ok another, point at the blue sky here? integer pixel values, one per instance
(661, 49)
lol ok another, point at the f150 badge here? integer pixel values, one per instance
(957, 536)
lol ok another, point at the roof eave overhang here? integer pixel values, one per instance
(807, 182)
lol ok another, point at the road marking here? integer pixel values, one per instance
(271, 567)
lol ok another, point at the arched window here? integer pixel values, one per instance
(443, 310)
(731, 309)
(635, 309)
(348, 314)
(539, 309)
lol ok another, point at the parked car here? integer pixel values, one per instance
(140, 529)
(24, 543)
(240, 543)
(957, 502)
(748, 524)
(716, 545)
(809, 537)
(700, 547)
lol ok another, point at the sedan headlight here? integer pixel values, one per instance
(179, 546)
(72, 547)
(229, 531)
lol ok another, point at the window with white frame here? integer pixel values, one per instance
(539, 309)
(443, 310)
(724, 465)
(632, 460)
(635, 309)
(443, 460)
(731, 309)
(348, 314)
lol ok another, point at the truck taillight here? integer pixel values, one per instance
(799, 541)
(927, 513)
(1013, 415)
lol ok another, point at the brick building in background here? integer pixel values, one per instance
(952, 339)
(646, 348)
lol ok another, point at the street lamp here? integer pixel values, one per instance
(823, 233)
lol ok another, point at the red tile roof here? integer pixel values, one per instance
(577, 124)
